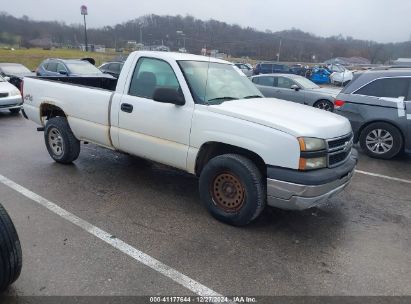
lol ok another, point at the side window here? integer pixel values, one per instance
(388, 87)
(267, 67)
(115, 67)
(285, 83)
(61, 67)
(267, 81)
(52, 67)
(151, 74)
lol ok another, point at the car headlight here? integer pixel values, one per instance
(313, 153)
(15, 93)
(312, 163)
(309, 144)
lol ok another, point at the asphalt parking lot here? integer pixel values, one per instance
(358, 244)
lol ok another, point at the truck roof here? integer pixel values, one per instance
(180, 56)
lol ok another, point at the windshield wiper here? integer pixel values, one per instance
(253, 96)
(221, 99)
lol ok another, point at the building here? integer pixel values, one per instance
(45, 43)
(93, 48)
(348, 61)
(402, 62)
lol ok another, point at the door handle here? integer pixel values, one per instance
(126, 107)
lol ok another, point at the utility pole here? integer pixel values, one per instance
(279, 50)
(84, 12)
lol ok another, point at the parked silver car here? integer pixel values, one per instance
(296, 88)
(10, 97)
(245, 68)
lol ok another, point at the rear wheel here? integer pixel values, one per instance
(381, 140)
(10, 251)
(233, 189)
(15, 110)
(324, 105)
(61, 143)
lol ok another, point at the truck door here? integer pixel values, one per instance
(151, 129)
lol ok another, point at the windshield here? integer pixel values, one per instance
(306, 83)
(214, 83)
(338, 68)
(82, 68)
(15, 69)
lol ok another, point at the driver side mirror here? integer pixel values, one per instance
(63, 72)
(169, 95)
(295, 87)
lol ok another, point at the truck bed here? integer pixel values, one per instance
(103, 83)
(85, 100)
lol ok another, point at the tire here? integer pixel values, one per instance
(60, 141)
(391, 141)
(11, 260)
(233, 189)
(15, 110)
(325, 105)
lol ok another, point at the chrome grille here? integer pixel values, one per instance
(339, 150)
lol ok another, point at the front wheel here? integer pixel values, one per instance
(61, 143)
(324, 105)
(10, 251)
(381, 140)
(233, 189)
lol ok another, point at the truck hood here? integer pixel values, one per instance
(292, 118)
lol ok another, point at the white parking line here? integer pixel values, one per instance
(136, 254)
(384, 176)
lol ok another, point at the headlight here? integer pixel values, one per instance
(15, 93)
(313, 163)
(309, 144)
(313, 153)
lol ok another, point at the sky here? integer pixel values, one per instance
(378, 20)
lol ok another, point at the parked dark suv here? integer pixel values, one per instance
(270, 68)
(378, 105)
(68, 67)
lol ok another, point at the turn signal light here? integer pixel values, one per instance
(338, 103)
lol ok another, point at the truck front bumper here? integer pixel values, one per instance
(296, 190)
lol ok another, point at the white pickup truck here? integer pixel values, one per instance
(204, 116)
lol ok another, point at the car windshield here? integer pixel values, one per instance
(338, 68)
(306, 83)
(15, 69)
(82, 68)
(214, 83)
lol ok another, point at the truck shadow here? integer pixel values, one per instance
(319, 225)
(166, 202)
